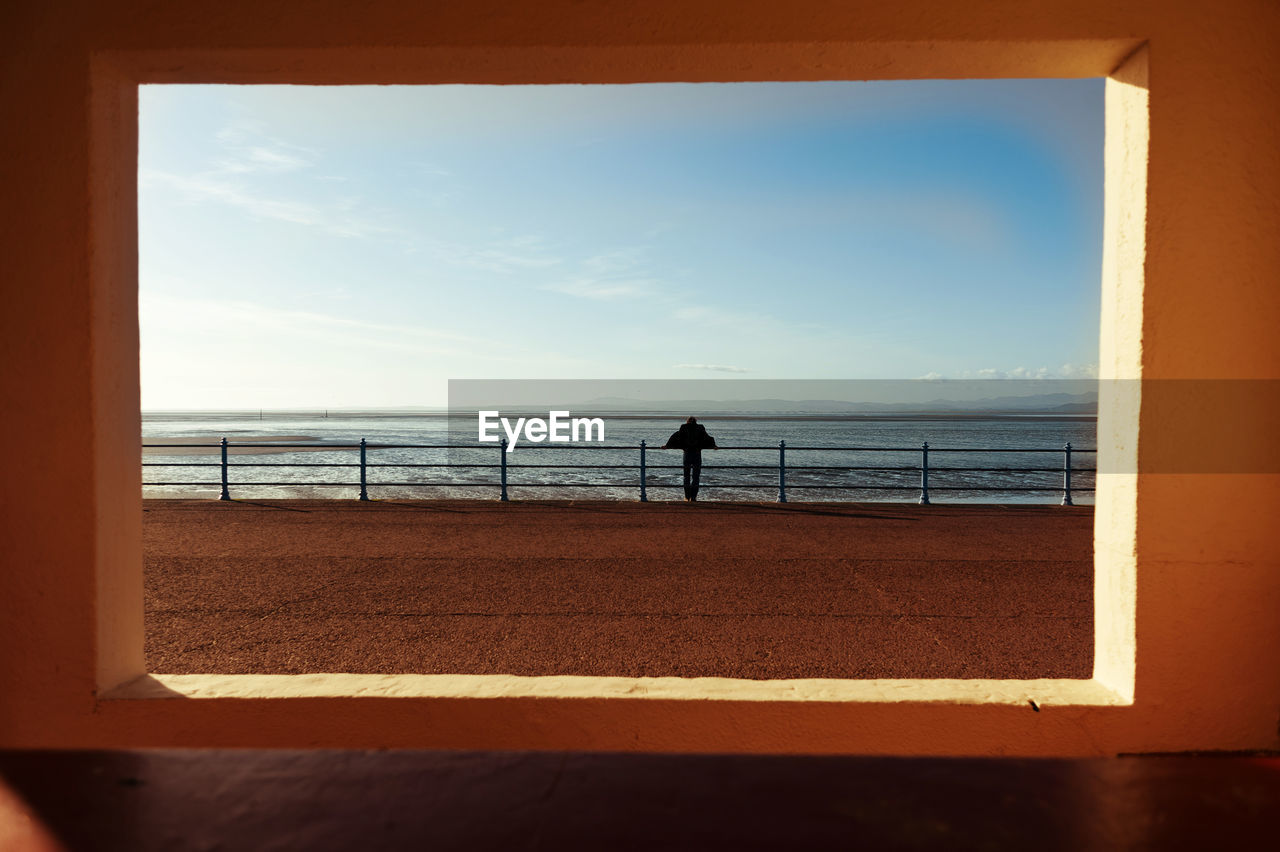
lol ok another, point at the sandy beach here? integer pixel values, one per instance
(613, 588)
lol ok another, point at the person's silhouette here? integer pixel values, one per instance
(692, 437)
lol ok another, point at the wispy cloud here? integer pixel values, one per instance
(513, 254)
(259, 159)
(213, 316)
(1066, 371)
(203, 188)
(700, 313)
(714, 368)
(430, 170)
(248, 150)
(742, 322)
(620, 261)
(342, 219)
(251, 160)
(617, 274)
(588, 288)
(626, 274)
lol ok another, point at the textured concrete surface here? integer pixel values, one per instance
(595, 588)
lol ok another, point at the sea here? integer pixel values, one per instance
(972, 458)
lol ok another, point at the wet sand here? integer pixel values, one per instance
(752, 590)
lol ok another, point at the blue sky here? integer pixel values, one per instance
(345, 247)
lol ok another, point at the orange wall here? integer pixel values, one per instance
(1208, 576)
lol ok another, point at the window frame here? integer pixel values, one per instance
(658, 714)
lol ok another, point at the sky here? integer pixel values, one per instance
(360, 246)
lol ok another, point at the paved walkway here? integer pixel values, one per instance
(611, 588)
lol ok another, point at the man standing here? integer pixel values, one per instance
(692, 437)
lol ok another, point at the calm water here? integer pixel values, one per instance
(726, 473)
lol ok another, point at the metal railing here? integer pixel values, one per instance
(644, 481)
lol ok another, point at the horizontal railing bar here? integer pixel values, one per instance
(901, 449)
(624, 485)
(182, 464)
(873, 487)
(371, 466)
(627, 485)
(790, 486)
(1059, 450)
(231, 445)
(231, 464)
(634, 467)
(203, 446)
(1058, 490)
(429, 484)
(239, 484)
(743, 486)
(932, 469)
(911, 469)
(899, 469)
(774, 448)
(894, 468)
(577, 447)
(431, 446)
(916, 449)
(338, 484)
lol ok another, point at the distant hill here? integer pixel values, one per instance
(1056, 404)
(1053, 403)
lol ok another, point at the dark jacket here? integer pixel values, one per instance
(693, 439)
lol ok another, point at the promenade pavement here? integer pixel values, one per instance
(751, 590)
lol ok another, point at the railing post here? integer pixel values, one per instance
(782, 471)
(644, 497)
(1066, 475)
(503, 450)
(924, 474)
(364, 484)
(226, 495)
